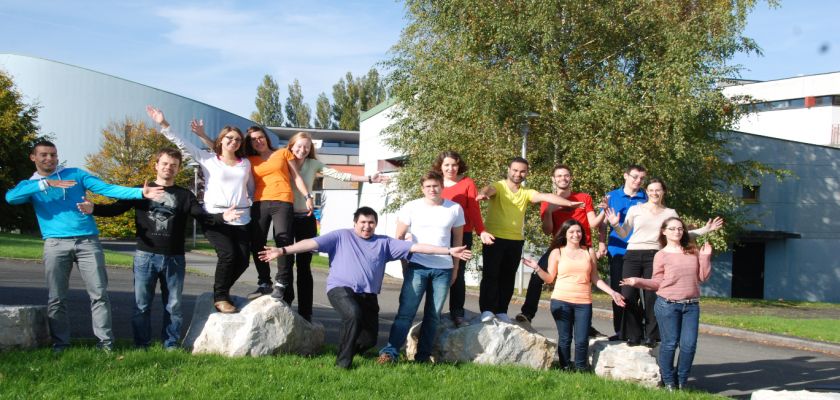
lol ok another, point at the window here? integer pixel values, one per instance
(749, 193)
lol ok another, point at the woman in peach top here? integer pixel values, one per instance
(572, 269)
(678, 270)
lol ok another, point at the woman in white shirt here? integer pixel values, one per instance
(228, 184)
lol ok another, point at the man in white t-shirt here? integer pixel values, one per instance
(431, 220)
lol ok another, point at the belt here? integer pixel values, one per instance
(695, 300)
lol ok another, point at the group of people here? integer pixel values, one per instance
(250, 186)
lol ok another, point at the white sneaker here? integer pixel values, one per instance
(487, 316)
(504, 318)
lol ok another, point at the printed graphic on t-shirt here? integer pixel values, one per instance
(161, 212)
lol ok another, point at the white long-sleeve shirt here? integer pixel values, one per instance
(225, 185)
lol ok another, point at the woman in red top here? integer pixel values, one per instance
(461, 189)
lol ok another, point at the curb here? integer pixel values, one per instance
(740, 334)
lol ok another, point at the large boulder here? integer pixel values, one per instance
(493, 342)
(260, 328)
(765, 394)
(617, 360)
(23, 327)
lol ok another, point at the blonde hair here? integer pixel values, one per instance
(300, 136)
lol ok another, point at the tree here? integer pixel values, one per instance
(18, 133)
(613, 83)
(353, 95)
(127, 157)
(298, 113)
(322, 113)
(269, 110)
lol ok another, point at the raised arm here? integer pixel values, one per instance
(486, 193)
(303, 246)
(460, 252)
(712, 225)
(555, 199)
(613, 218)
(188, 147)
(197, 127)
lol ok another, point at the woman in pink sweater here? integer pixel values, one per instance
(678, 270)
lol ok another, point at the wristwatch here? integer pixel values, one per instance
(310, 195)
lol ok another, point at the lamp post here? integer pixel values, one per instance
(524, 129)
(194, 166)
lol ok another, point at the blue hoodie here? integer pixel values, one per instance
(56, 207)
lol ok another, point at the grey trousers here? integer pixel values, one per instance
(59, 256)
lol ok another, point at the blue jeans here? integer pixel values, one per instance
(418, 280)
(59, 256)
(570, 318)
(678, 323)
(149, 268)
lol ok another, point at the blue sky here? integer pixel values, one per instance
(218, 51)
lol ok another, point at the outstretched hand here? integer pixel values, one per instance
(714, 224)
(61, 184)
(487, 238)
(269, 253)
(231, 214)
(157, 115)
(197, 127)
(617, 298)
(152, 192)
(530, 263)
(379, 178)
(460, 252)
(706, 249)
(85, 207)
(612, 216)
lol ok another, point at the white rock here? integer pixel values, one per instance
(261, 327)
(493, 342)
(617, 360)
(23, 327)
(765, 394)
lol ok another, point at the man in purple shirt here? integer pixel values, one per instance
(357, 267)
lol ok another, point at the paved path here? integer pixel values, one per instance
(723, 365)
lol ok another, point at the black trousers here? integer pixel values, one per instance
(231, 244)
(359, 322)
(532, 297)
(303, 227)
(458, 291)
(501, 260)
(263, 214)
(616, 268)
(638, 320)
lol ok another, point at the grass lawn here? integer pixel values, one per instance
(32, 248)
(204, 247)
(86, 373)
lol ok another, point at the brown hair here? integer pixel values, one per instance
(171, 152)
(300, 136)
(217, 144)
(685, 240)
(249, 147)
(462, 166)
(561, 166)
(431, 175)
(559, 240)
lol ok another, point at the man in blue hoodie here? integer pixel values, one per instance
(71, 236)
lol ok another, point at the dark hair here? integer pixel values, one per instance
(560, 238)
(518, 160)
(659, 181)
(431, 175)
(44, 143)
(462, 166)
(685, 240)
(249, 147)
(561, 166)
(366, 211)
(217, 144)
(171, 152)
(637, 167)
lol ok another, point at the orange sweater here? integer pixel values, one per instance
(271, 177)
(573, 283)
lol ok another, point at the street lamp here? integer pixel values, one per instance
(524, 129)
(194, 166)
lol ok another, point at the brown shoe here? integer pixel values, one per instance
(224, 306)
(385, 359)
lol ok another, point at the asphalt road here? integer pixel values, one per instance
(723, 365)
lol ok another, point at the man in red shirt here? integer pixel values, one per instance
(553, 217)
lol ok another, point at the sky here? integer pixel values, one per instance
(217, 52)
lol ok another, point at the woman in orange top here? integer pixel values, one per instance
(572, 269)
(273, 171)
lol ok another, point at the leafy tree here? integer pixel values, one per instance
(127, 157)
(372, 90)
(353, 95)
(298, 113)
(269, 110)
(613, 83)
(18, 133)
(322, 113)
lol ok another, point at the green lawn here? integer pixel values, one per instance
(86, 373)
(32, 248)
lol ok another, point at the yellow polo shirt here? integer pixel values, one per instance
(506, 213)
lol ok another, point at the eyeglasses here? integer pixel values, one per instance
(233, 138)
(258, 138)
(636, 177)
(675, 228)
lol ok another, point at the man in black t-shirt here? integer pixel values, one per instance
(161, 225)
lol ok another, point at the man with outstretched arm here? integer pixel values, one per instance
(160, 225)
(503, 239)
(71, 236)
(357, 267)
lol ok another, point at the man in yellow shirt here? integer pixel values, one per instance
(504, 241)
